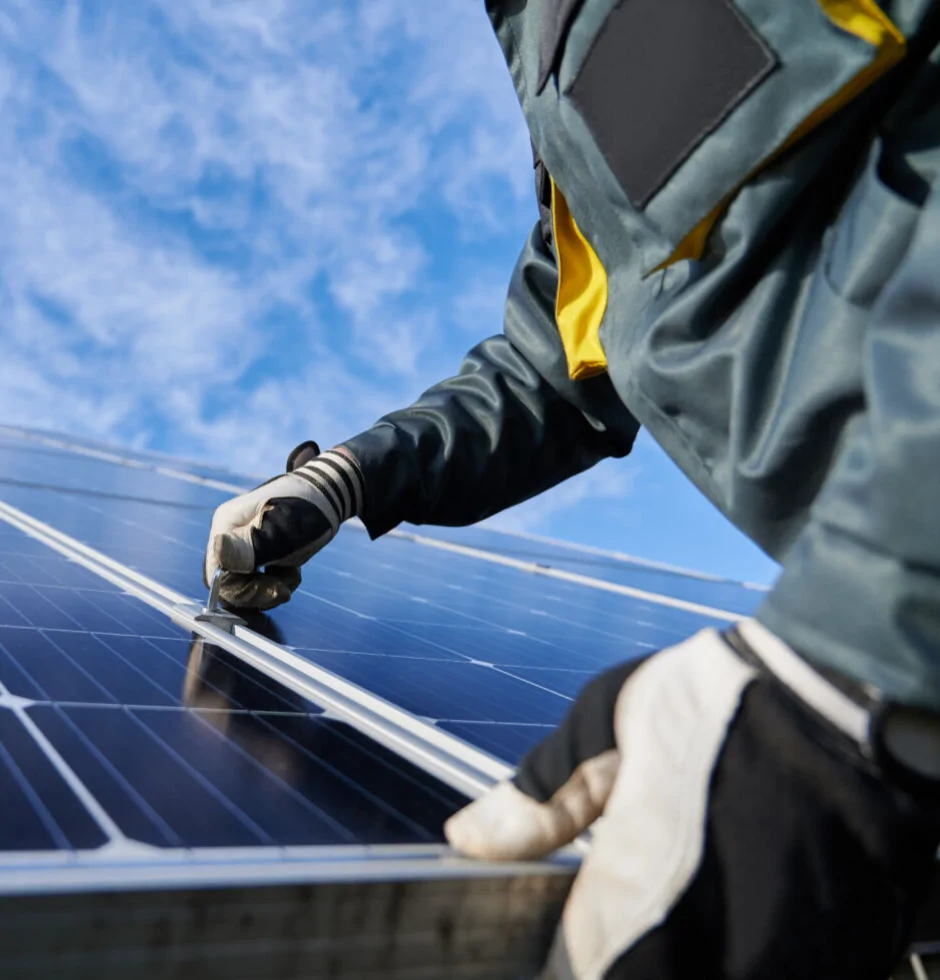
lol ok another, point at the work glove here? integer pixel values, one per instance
(745, 825)
(261, 538)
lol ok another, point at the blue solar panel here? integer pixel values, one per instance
(181, 743)
(706, 590)
(116, 726)
(40, 441)
(475, 647)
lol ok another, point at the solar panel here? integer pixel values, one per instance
(119, 729)
(596, 563)
(439, 634)
(135, 755)
(39, 439)
(135, 707)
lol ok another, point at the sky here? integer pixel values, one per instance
(231, 225)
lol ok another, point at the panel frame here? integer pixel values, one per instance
(384, 920)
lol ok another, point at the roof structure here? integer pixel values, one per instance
(268, 802)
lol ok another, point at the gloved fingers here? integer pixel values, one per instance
(232, 550)
(268, 542)
(236, 513)
(322, 493)
(507, 825)
(259, 589)
(561, 787)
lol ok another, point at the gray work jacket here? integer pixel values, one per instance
(739, 249)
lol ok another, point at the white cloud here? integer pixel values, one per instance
(326, 127)
(480, 302)
(609, 480)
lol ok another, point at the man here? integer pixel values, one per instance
(739, 248)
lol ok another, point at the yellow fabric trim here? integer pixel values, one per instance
(864, 19)
(582, 294)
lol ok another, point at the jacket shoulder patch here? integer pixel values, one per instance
(660, 76)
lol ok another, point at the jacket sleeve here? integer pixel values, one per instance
(509, 425)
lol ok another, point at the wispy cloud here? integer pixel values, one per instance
(606, 482)
(218, 216)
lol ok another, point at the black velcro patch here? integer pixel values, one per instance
(660, 76)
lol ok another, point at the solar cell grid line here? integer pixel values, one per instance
(487, 534)
(41, 810)
(192, 575)
(481, 532)
(739, 597)
(538, 586)
(39, 441)
(107, 477)
(155, 554)
(679, 586)
(176, 469)
(444, 609)
(493, 608)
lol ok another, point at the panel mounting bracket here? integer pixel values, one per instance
(213, 613)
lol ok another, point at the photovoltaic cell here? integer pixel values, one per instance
(505, 741)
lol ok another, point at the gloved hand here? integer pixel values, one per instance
(262, 538)
(745, 830)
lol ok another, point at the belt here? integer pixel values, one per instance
(904, 741)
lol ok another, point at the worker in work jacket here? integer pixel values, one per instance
(739, 249)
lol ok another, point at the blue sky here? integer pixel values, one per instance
(229, 226)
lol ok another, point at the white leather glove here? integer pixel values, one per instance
(261, 538)
(744, 827)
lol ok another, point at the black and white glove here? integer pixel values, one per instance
(261, 538)
(742, 825)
